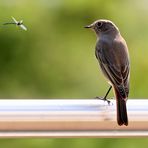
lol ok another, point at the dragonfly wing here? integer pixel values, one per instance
(14, 20)
(23, 27)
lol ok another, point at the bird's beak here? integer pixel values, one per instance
(89, 26)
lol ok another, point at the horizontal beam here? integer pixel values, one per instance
(70, 118)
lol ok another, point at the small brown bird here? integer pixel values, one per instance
(112, 54)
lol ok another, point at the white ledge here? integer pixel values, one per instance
(70, 118)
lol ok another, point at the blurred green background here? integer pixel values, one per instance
(55, 57)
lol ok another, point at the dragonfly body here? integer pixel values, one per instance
(18, 23)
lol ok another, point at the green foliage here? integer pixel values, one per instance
(55, 57)
(74, 143)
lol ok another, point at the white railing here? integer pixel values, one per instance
(70, 118)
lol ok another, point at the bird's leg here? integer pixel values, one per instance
(105, 97)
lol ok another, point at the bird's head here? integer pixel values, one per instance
(103, 26)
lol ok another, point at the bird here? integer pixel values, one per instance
(17, 23)
(112, 54)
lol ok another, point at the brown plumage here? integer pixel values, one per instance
(112, 54)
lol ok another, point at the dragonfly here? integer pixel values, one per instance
(17, 23)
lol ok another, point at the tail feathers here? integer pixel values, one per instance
(121, 110)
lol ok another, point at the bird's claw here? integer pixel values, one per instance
(104, 99)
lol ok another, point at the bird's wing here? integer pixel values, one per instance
(14, 20)
(114, 63)
(23, 27)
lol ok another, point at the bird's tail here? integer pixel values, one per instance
(121, 109)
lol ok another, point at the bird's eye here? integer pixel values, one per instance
(99, 24)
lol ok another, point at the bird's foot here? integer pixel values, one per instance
(104, 99)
